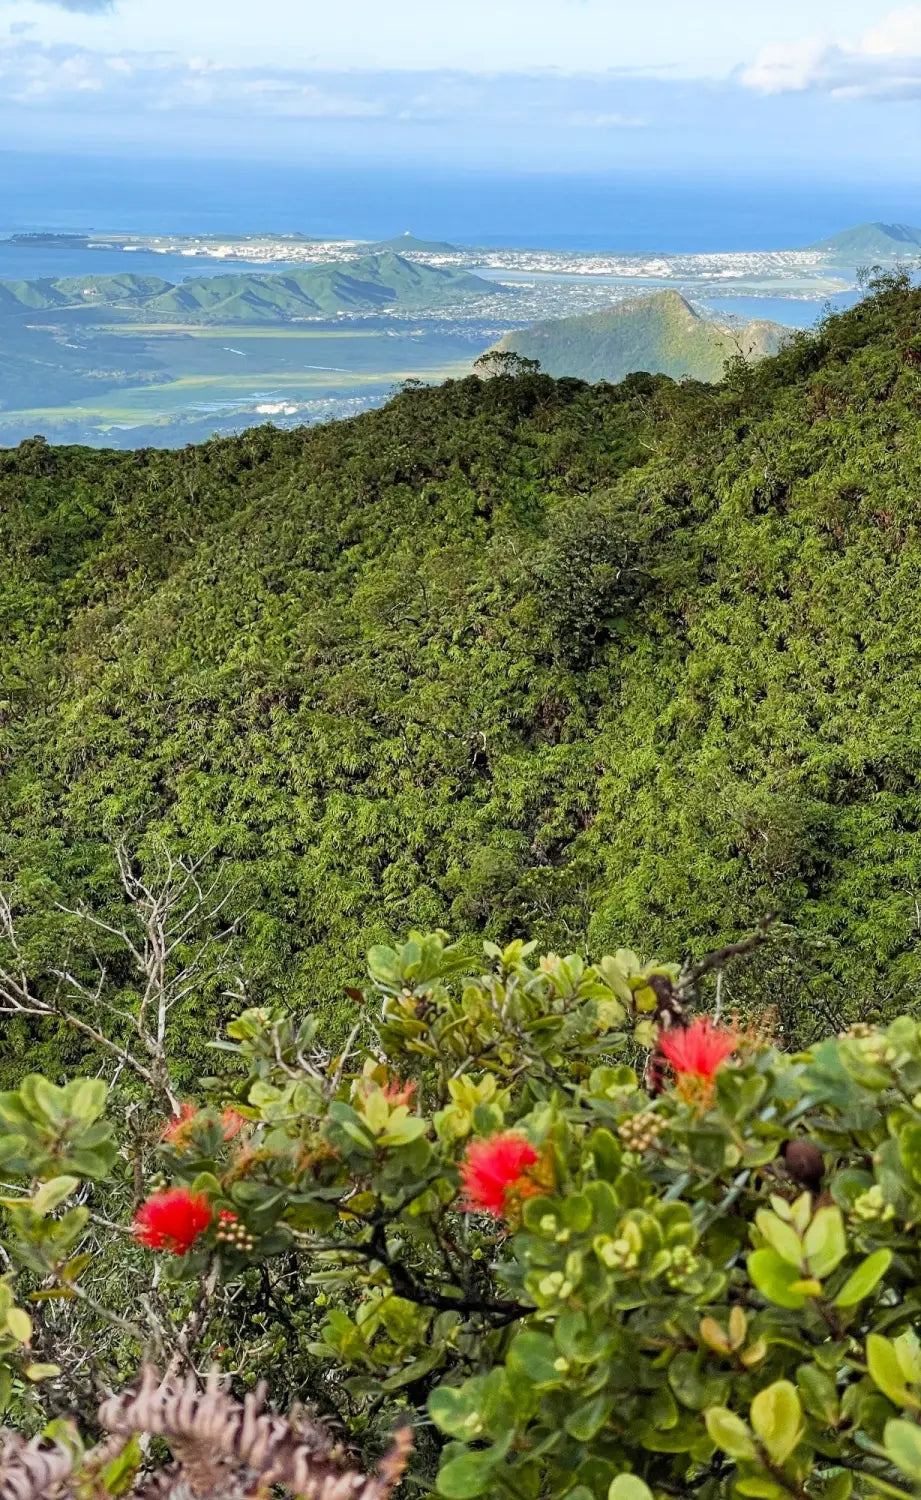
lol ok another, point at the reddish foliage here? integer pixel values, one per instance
(176, 1129)
(397, 1093)
(233, 1122)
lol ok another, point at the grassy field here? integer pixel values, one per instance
(230, 391)
(229, 372)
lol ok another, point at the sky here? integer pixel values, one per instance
(802, 87)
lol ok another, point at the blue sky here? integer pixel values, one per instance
(832, 86)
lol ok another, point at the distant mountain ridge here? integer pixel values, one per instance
(407, 244)
(886, 241)
(659, 333)
(370, 282)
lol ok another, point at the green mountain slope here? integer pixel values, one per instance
(601, 664)
(408, 244)
(660, 333)
(866, 241)
(362, 285)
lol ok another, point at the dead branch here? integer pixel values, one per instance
(171, 912)
(692, 974)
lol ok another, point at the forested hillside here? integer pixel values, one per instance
(367, 284)
(598, 664)
(660, 332)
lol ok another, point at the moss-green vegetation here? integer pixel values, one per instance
(631, 663)
(369, 283)
(864, 241)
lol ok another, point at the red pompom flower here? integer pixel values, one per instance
(233, 1122)
(494, 1171)
(698, 1050)
(172, 1220)
(176, 1130)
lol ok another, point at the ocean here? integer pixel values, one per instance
(29, 263)
(629, 213)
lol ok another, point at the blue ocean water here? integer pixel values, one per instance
(29, 263)
(797, 312)
(623, 212)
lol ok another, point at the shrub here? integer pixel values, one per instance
(600, 1246)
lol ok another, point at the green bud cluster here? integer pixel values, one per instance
(639, 1133)
(684, 1263)
(556, 1285)
(617, 1254)
(872, 1044)
(871, 1206)
(236, 1236)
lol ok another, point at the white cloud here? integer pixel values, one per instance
(38, 74)
(32, 74)
(884, 63)
(82, 7)
(602, 120)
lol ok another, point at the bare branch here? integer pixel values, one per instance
(169, 910)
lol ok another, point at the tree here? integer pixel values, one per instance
(594, 1275)
(174, 939)
(505, 362)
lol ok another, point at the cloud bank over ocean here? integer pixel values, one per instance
(883, 63)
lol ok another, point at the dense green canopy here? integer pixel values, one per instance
(602, 664)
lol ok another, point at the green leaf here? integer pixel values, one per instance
(91, 1163)
(777, 1418)
(206, 1182)
(455, 1410)
(42, 1372)
(775, 1278)
(383, 964)
(629, 1487)
(467, 1476)
(51, 1194)
(762, 1488)
(119, 1475)
(86, 1098)
(20, 1324)
(865, 1279)
(696, 1386)
(902, 1442)
(908, 1353)
(886, 1372)
(587, 1420)
(819, 1394)
(730, 1434)
(406, 1128)
(780, 1236)
(535, 1355)
(825, 1241)
(414, 1370)
(840, 1487)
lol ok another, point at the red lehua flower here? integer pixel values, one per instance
(227, 1216)
(699, 1049)
(233, 1122)
(397, 1093)
(494, 1169)
(172, 1220)
(175, 1130)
